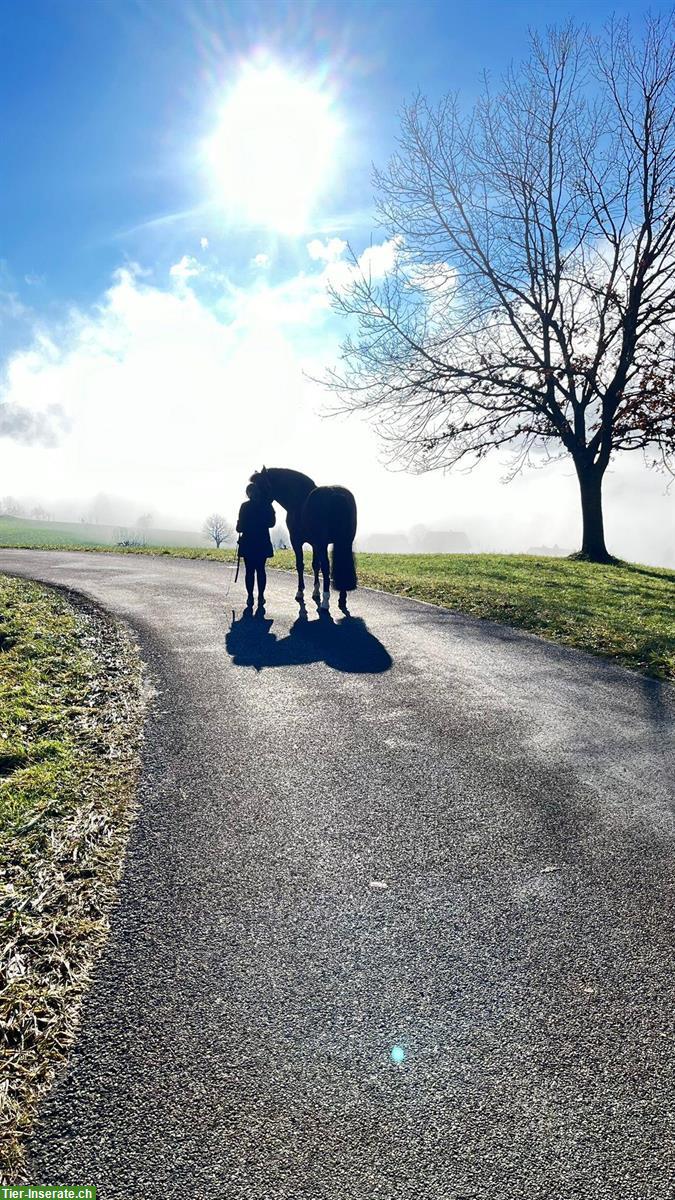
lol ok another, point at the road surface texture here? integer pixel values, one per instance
(397, 915)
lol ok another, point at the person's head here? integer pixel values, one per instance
(260, 480)
(253, 492)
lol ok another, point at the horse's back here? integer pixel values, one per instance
(329, 513)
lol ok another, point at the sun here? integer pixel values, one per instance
(273, 152)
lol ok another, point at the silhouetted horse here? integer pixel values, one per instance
(322, 516)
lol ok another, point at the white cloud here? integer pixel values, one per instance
(186, 268)
(374, 262)
(11, 306)
(378, 260)
(204, 243)
(304, 299)
(261, 260)
(166, 403)
(328, 251)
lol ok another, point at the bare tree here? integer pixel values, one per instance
(218, 529)
(532, 301)
(40, 514)
(9, 507)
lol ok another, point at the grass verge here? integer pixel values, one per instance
(70, 707)
(625, 611)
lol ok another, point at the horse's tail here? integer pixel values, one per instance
(342, 561)
(343, 566)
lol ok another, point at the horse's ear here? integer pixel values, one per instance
(264, 471)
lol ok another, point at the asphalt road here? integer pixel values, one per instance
(401, 835)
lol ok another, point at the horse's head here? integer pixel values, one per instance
(289, 488)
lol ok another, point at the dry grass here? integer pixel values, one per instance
(70, 708)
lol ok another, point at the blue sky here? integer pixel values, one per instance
(106, 101)
(107, 107)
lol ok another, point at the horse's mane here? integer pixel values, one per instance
(287, 486)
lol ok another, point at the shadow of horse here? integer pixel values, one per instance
(345, 645)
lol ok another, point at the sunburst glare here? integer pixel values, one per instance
(274, 149)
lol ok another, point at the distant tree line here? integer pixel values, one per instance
(9, 507)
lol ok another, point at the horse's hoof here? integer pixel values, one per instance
(316, 595)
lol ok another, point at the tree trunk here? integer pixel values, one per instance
(593, 546)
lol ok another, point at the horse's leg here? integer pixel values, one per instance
(342, 601)
(325, 570)
(300, 564)
(316, 566)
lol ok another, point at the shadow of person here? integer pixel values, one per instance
(344, 645)
(250, 641)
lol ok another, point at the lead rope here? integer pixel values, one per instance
(228, 589)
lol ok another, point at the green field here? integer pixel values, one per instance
(21, 531)
(625, 611)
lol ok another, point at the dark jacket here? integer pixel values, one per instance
(255, 520)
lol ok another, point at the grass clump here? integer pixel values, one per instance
(69, 732)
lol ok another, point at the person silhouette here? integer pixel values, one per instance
(256, 518)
